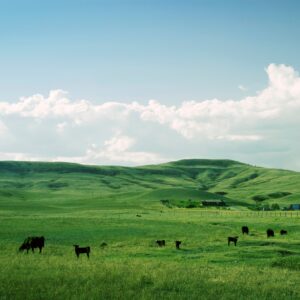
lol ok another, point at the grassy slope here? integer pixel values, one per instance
(70, 186)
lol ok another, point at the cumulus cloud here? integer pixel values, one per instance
(117, 149)
(54, 127)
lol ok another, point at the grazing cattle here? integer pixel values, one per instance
(245, 229)
(138, 215)
(33, 242)
(270, 232)
(283, 232)
(232, 239)
(177, 243)
(161, 243)
(79, 250)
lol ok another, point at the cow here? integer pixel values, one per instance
(177, 244)
(33, 242)
(161, 243)
(283, 232)
(232, 239)
(245, 229)
(79, 250)
(270, 232)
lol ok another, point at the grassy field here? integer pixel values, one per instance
(71, 204)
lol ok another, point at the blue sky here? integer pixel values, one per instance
(141, 50)
(138, 82)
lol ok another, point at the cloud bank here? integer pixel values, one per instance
(261, 129)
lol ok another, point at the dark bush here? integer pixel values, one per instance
(279, 194)
(259, 198)
(275, 206)
(221, 193)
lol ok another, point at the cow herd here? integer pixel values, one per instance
(39, 242)
(245, 230)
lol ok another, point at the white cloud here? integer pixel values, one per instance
(242, 88)
(56, 127)
(61, 127)
(240, 137)
(3, 129)
(17, 156)
(116, 150)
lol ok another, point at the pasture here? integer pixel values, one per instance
(133, 266)
(129, 209)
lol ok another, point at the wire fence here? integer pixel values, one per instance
(259, 214)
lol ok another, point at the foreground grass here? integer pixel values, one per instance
(64, 278)
(132, 267)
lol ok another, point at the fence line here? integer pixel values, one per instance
(286, 214)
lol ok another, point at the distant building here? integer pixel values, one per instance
(294, 207)
(213, 203)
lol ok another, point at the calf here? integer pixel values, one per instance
(283, 232)
(79, 250)
(161, 243)
(177, 244)
(232, 239)
(245, 229)
(270, 232)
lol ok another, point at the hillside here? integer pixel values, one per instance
(35, 186)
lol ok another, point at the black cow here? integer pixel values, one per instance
(79, 250)
(161, 243)
(245, 229)
(33, 242)
(283, 232)
(232, 239)
(177, 244)
(270, 232)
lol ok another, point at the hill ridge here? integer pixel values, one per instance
(180, 181)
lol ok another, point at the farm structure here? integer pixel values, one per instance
(294, 207)
(213, 203)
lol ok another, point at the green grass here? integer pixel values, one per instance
(87, 205)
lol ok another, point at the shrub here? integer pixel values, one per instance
(275, 206)
(279, 194)
(221, 193)
(259, 198)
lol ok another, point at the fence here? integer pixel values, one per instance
(287, 214)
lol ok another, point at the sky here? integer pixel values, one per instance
(137, 82)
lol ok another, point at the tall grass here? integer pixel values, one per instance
(133, 267)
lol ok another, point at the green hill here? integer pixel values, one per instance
(67, 186)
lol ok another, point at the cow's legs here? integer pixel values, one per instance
(88, 254)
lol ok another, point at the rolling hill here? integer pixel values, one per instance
(36, 186)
